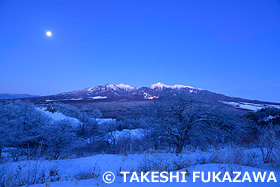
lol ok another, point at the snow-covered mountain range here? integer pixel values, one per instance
(123, 92)
(119, 92)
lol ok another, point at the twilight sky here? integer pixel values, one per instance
(229, 47)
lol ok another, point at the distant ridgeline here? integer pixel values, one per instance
(16, 96)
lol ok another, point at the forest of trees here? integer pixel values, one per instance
(170, 123)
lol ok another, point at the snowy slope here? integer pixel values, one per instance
(205, 168)
(126, 133)
(57, 116)
(69, 168)
(250, 106)
(105, 120)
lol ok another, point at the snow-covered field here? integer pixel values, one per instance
(58, 116)
(250, 106)
(125, 133)
(189, 179)
(68, 170)
(105, 120)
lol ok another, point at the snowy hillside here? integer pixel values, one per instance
(126, 133)
(70, 170)
(250, 106)
(57, 116)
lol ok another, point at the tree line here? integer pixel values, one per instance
(172, 122)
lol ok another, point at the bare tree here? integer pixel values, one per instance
(268, 141)
(177, 116)
(180, 118)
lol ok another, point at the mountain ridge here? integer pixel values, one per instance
(124, 92)
(16, 96)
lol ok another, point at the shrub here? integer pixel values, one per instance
(276, 159)
(93, 172)
(268, 142)
(217, 157)
(159, 163)
(31, 173)
(252, 159)
(201, 160)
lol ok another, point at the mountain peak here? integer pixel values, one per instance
(160, 85)
(109, 85)
(114, 91)
(125, 86)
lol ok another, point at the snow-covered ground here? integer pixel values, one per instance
(99, 97)
(202, 168)
(57, 116)
(69, 169)
(105, 120)
(76, 99)
(250, 106)
(125, 133)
